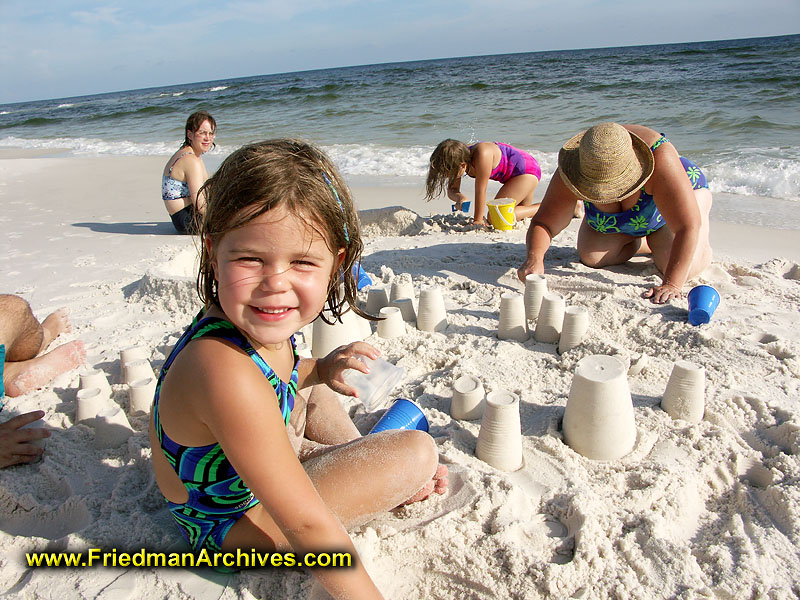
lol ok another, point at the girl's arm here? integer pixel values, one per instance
(240, 409)
(676, 201)
(482, 163)
(454, 191)
(555, 213)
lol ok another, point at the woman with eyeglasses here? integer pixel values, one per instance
(185, 173)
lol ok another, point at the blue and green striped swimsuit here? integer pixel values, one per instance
(217, 495)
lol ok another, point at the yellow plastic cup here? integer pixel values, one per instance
(501, 213)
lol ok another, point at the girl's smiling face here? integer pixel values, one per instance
(273, 275)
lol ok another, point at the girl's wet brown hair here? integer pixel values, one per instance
(290, 173)
(444, 165)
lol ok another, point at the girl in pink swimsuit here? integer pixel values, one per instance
(517, 170)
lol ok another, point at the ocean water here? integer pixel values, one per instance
(730, 106)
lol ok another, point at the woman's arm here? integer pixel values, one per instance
(677, 203)
(194, 172)
(554, 214)
(241, 412)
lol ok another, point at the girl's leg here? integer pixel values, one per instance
(521, 189)
(603, 249)
(358, 480)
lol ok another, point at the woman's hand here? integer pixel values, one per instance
(663, 293)
(331, 367)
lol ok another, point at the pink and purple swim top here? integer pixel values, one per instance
(513, 162)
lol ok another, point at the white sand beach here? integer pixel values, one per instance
(708, 510)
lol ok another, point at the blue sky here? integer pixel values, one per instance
(63, 48)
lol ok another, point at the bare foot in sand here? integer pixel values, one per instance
(437, 485)
(27, 375)
(55, 324)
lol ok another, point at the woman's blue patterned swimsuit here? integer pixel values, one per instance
(217, 495)
(643, 218)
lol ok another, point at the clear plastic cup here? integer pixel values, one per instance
(374, 387)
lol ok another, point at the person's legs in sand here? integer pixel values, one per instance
(660, 242)
(603, 249)
(25, 339)
(357, 477)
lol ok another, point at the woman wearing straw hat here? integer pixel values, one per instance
(640, 196)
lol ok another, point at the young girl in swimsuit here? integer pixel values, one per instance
(251, 447)
(517, 170)
(640, 196)
(185, 173)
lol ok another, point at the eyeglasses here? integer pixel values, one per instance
(205, 134)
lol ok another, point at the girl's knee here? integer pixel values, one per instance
(420, 449)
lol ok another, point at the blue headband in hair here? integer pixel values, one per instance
(341, 207)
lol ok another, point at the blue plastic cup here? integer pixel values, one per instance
(464, 206)
(361, 277)
(703, 301)
(403, 414)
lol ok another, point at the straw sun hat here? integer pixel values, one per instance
(605, 163)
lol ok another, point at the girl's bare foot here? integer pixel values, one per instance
(437, 485)
(27, 375)
(55, 324)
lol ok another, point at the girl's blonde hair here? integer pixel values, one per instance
(289, 173)
(444, 166)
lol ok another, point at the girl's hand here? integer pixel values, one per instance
(331, 368)
(663, 293)
(530, 268)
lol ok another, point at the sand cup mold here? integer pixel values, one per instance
(535, 289)
(468, 398)
(598, 418)
(431, 314)
(500, 437)
(684, 397)
(512, 322)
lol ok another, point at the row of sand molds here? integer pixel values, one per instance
(95, 405)
(598, 420)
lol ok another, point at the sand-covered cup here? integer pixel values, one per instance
(431, 314)
(468, 398)
(392, 324)
(89, 402)
(551, 318)
(402, 288)
(684, 396)
(574, 327)
(131, 353)
(377, 298)
(535, 289)
(95, 378)
(136, 370)
(406, 306)
(140, 396)
(112, 428)
(598, 418)
(512, 322)
(500, 436)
